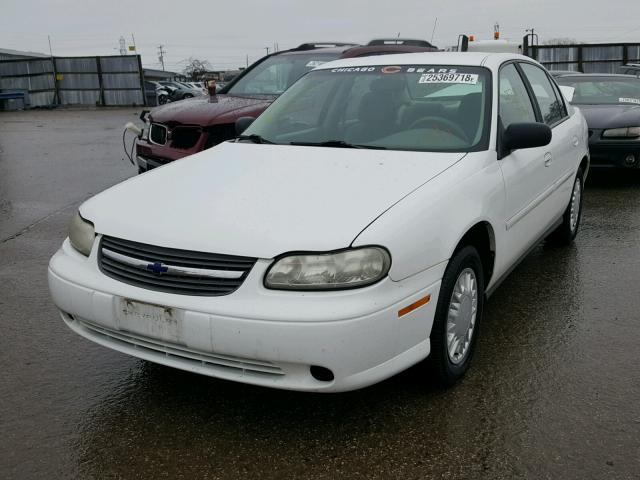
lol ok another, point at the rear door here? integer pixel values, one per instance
(562, 158)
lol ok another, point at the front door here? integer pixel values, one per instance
(527, 173)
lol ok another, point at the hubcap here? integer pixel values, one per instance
(461, 317)
(574, 214)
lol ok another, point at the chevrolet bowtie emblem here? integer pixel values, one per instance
(157, 268)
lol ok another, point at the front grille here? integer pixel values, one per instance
(213, 361)
(158, 134)
(220, 133)
(171, 270)
(185, 138)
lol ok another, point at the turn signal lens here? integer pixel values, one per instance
(81, 234)
(329, 271)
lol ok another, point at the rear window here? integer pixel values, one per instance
(275, 74)
(603, 90)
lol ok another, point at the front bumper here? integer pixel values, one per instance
(254, 335)
(149, 155)
(613, 153)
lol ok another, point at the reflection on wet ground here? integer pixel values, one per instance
(553, 392)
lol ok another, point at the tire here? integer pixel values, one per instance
(162, 99)
(448, 367)
(568, 229)
(187, 95)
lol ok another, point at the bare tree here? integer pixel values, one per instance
(561, 41)
(196, 68)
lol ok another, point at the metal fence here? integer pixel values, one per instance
(586, 58)
(105, 81)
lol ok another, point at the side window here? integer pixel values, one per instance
(551, 106)
(514, 103)
(560, 98)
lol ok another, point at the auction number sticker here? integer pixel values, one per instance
(629, 100)
(469, 78)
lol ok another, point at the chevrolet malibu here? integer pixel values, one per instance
(353, 230)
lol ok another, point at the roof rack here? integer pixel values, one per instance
(312, 45)
(412, 42)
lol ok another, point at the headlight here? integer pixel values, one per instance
(622, 132)
(329, 271)
(81, 234)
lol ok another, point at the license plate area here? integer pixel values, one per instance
(149, 320)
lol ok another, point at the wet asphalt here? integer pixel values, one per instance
(553, 392)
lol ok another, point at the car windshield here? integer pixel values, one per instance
(603, 90)
(275, 74)
(418, 107)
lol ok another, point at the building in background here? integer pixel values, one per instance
(153, 75)
(8, 54)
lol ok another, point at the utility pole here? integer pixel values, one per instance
(161, 53)
(267, 49)
(247, 59)
(133, 39)
(123, 46)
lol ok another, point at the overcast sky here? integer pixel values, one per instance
(225, 32)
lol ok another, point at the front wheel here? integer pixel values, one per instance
(568, 229)
(457, 318)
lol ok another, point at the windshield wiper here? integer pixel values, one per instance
(336, 144)
(254, 138)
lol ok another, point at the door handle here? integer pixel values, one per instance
(547, 159)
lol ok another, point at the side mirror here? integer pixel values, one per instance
(211, 87)
(567, 92)
(525, 135)
(243, 123)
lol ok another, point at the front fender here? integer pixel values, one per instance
(423, 229)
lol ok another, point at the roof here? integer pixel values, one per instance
(594, 75)
(158, 73)
(428, 58)
(20, 53)
(351, 50)
(312, 51)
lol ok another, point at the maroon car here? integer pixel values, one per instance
(190, 126)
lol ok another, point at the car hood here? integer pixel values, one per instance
(611, 116)
(206, 110)
(262, 200)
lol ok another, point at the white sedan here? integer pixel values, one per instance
(353, 230)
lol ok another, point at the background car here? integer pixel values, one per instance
(180, 91)
(207, 121)
(155, 93)
(559, 73)
(630, 69)
(611, 105)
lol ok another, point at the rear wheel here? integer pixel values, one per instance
(568, 229)
(458, 315)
